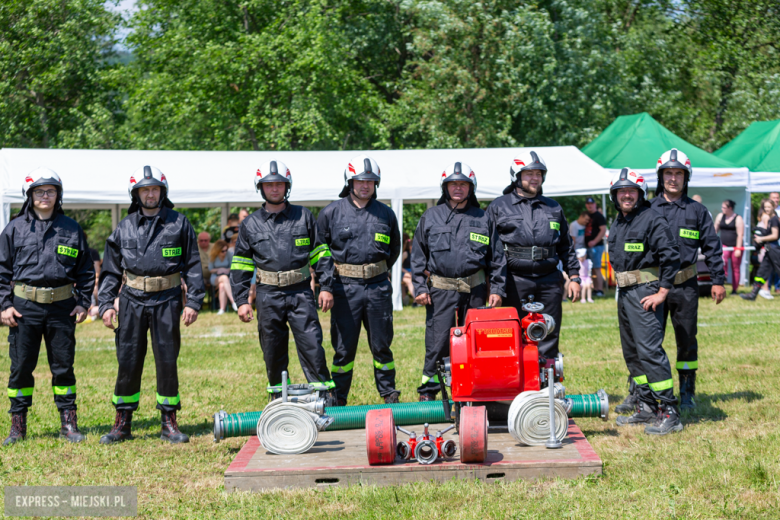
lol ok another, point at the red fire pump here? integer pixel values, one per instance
(494, 356)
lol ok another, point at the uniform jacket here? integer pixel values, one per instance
(45, 253)
(692, 226)
(456, 244)
(537, 221)
(351, 235)
(641, 240)
(152, 246)
(272, 242)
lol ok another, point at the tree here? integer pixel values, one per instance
(52, 57)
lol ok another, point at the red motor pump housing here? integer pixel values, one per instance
(494, 356)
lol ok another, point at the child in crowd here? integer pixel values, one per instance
(587, 282)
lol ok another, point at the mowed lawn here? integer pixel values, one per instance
(724, 465)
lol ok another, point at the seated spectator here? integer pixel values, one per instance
(204, 246)
(230, 235)
(219, 265)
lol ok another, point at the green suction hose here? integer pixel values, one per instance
(432, 412)
(344, 418)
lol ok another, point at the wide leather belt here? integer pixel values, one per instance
(529, 253)
(283, 278)
(637, 277)
(152, 283)
(365, 271)
(43, 294)
(685, 274)
(463, 285)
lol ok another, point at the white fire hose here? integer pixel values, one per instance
(289, 426)
(529, 417)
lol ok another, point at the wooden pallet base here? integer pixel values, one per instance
(339, 459)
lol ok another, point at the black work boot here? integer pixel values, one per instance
(629, 403)
(427, 396)
(669, 422)
(70, 427)
(392, 398)
(341, 402)
(643, 415)
(18, 428)
(121, 430)
(752, 294)
(687, 389)
(170, 429)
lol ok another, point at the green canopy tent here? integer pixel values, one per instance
(637, 141)
(758, 148)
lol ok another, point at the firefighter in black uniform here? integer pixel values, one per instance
(45, 254)
(644, 256)
(277, 240)
(535, 235)
(358, 241)
(692, 226)
(148, 255)
(457, 243)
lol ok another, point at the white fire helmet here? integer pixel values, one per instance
(148, 176)
(674, 158)
(361, 168)
(41, 177)
(527, 161)
(458, 172)
(273, 171)
(627, 178)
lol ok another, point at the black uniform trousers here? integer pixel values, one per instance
(278, 307)
(135, 320)
(546, 289)
(52, 323)
(682, 304)
(771, 262)
(642, 337)
(447, 310)
(371, 305)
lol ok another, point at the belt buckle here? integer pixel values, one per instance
(282, 279)
(151, 284)
(534, 256)
(45, 294)
(366, 271)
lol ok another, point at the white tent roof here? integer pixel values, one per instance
(101, 176)
(702, 177)
(761, 182)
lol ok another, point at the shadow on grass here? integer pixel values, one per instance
(706, 411)
(612, 432)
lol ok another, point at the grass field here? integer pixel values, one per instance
(724, 465)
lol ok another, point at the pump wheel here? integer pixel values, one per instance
(473, 434)
(380, 437)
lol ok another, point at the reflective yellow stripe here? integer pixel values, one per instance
(277, 388)
(64, 390)
(327, 385)
(384, 366)
(340, 370)
(641, 380)
(760, 280)
(120, 399)
(173, 401)
(662, 385)
(318, 252)
(687, 365)
(241, 263)
(20, 392)
(434, 379)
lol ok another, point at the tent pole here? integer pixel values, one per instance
(397, 273)
(224, 218)
(745, 264)
(115, 216)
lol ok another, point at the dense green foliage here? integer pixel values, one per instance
(338, 74)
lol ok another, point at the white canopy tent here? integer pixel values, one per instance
(99, 178)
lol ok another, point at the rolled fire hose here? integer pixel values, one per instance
(289, 428)
(529, 418)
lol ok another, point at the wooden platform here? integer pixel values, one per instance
(339, 459)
